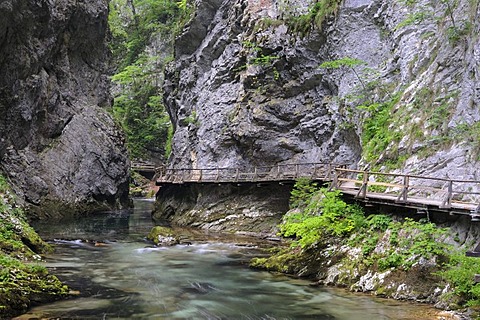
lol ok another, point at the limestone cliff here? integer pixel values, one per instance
(61, 150)
(244, 95)
(247, 88)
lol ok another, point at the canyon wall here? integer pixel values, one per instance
(60, 149)
(400, 91)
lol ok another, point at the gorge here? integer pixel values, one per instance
(383, 85)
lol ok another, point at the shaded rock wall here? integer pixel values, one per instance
(249, 208)
(61, 150)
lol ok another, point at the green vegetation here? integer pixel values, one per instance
(21, 280)
(256, 57)
(337, 219)
(414, 18)
(376, 132)
(346, 62)
(376, 104)
(460, 272)
(408, 242)
(302, 193)
(138, 106)
(317, 14)
(192, 119)
(456, 29)
(321, 221)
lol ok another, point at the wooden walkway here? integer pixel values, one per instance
(146, 169)
(143, 166)
(413, 191)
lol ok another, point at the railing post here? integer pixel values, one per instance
(201, 175)
(254, 174)
(296, 171)
(447, 202)
(334, 184)
(329, 172)
(237, 173)
(218, 174)
(402, 197)
(362, 193)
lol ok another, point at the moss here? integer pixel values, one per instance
(391, 253)
(284, 261)
(22, 282)
(163, 236)
(160, 231)
(317, 14)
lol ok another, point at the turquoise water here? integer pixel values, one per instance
(118, 275)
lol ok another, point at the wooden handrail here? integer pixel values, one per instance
(405, 188)
(405, 175)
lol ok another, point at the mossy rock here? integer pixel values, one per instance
(285, 261)
(163, 236)
(137, 192)
(22, 285)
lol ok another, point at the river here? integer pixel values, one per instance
(116, 274)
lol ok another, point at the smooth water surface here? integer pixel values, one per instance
(118, 275)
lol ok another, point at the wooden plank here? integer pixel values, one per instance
(385, 184)
(350, 180)
(474, 254)
(426, 188)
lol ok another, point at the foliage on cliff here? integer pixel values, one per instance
(142, 44)
(22, 281)
(326, 231)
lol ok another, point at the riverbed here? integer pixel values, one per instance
(114, 273)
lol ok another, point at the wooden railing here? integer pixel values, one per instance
(143, 166)
(281, 172)
(389, 188)
(404, 188)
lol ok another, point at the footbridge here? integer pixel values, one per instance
(146, 169)
(423, 193)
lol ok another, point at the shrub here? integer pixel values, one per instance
(302, 193)
(460, 271)
(336, 218)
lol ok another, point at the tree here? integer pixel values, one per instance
(138, 104)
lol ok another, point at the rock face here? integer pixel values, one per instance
(244, 96)
(247, 208)
(61, 150)
(249, 91)
(246, 90)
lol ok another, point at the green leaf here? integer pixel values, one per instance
(343, 62)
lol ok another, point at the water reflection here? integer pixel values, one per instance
(118, 275)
